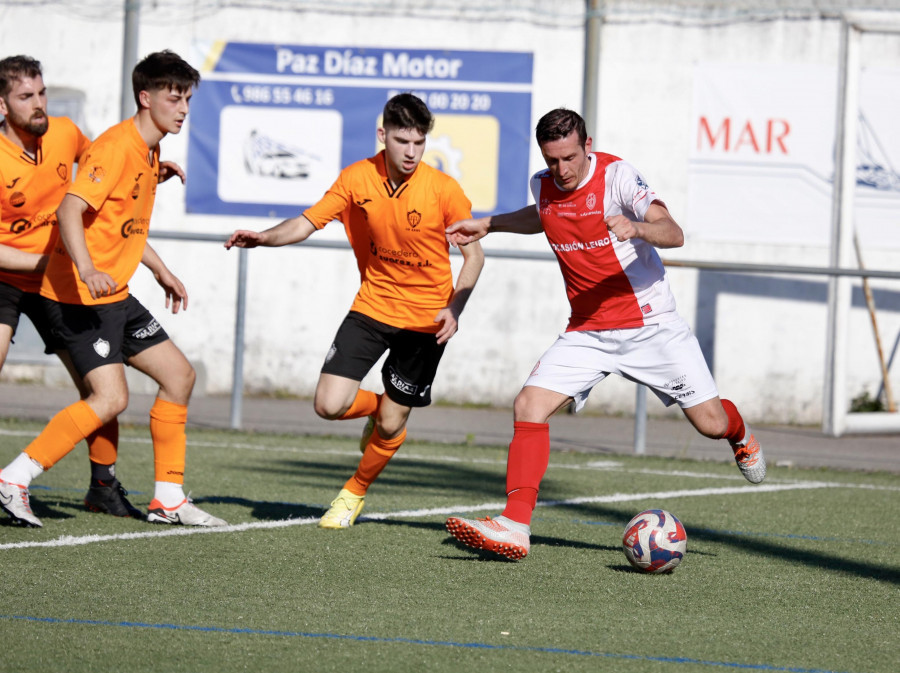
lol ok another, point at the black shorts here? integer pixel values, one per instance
(409, 369)
(14, 302)
(103, 334)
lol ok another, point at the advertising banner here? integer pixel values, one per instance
(762, 154)
(272, 125)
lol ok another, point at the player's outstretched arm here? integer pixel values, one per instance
(522, 221)
(13, 259)
(290, 231)
(176, 294)
(70, 216)
(473, 262)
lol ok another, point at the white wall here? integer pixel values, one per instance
(768, 352)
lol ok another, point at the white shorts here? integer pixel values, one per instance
(665, 357)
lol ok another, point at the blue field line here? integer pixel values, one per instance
(415, 641)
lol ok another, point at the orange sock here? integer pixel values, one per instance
(365, 404)
(378, 452)
(62, 433)
(167, 421)
(103, 443)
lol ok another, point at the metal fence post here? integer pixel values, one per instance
(640, 419)
(237, 376)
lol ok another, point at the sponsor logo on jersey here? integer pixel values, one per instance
(134, 227)
(19, 226)
(331, 353)
(136, 191)
(646, 308)
(577, 246)
(13, 183)
(17, 199)
(101, 347)
(97, 174)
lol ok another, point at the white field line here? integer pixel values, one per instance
(71, 541)
(603, 465)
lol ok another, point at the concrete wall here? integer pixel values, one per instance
(764, 337)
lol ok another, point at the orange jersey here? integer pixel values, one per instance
(398, 238)
(117, 179)
(32, 188)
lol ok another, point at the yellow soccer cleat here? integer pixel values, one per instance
(343, 511)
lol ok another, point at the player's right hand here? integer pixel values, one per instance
(467, 231)
(244, 238)
(99, 284)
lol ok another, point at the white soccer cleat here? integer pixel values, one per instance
(15, 502)
(750, 459)
(501, 535)
(185, 514)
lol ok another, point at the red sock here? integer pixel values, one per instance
(529, 455)
(736, 430)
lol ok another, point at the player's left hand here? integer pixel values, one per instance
(623, 228)
(449, 325)
(169, 169)
(176, 294)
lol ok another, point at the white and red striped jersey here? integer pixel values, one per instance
(611, 284)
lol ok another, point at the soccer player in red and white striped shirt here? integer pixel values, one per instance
(604, 224)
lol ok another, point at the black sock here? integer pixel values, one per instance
(105, 474)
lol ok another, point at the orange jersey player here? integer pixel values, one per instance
(396, 211)
(104, 221)
(37, 154)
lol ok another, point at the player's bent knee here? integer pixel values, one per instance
(107, 406)
(329, 410)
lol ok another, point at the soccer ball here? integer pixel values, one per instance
(654, 541)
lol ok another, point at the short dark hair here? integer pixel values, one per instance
(558, 124)
(13, 68)
(163, 70)
(406, 111)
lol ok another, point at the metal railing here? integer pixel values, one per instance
(640, 421)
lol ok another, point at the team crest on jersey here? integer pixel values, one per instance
(97, 174)
(101, 346)
(17, 199)
(591, 201)
(62, 171)
(414, 217)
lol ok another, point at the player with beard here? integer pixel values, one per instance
(37, 153)
(84, 293)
